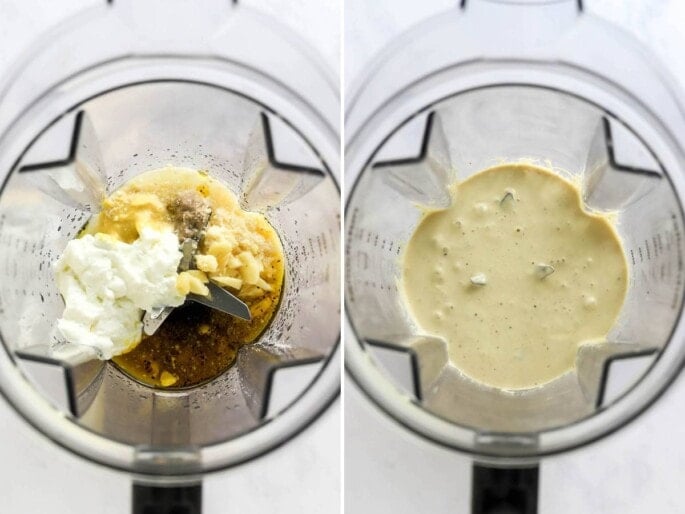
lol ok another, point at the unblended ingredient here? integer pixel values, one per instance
(235, 249)
(106, 285)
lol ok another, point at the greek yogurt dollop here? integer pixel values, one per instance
(107, 284)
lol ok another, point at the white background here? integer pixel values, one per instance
(38, 478)
(640, 470)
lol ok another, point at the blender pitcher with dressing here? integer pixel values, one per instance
(78, 121)
(531, 87)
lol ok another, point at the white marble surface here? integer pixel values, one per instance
(37, 477)
(638, 470)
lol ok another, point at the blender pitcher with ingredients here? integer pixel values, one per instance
(110, 94)
(501, 81)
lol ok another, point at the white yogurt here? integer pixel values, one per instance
(106, 284)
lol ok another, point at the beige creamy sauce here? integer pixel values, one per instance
(515, 275)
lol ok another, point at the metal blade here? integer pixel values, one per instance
(153, 319)
(188, 249)
(220, 299)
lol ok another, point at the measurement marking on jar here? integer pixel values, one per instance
(679, 271)
(311, 246)
(362, 260)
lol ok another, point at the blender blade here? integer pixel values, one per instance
(154, 318)
(218, 297)
(222, 300)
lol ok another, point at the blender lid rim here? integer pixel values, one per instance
(327, 370)
(356, 373)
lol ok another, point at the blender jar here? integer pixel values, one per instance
(503, 81)
(123, 88)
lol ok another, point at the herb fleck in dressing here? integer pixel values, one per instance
(515, 275)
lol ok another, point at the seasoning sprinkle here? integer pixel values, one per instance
(479, 279)
(543, 270)
(508, 197)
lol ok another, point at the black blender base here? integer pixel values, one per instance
(167, 500)
(504, 491)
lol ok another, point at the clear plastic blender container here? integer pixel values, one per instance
(496, 82)
(115, 92)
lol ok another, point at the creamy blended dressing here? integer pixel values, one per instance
(515, 275)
